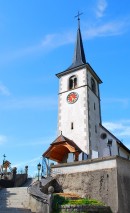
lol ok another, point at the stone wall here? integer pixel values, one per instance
(84, 208)
(100, 185)
(105, 179)
(123, 177)
(16, 181)
(20, 179)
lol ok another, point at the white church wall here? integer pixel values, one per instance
(76, 113)
(94, 114)
(116, 149)
(103, 147)
(94, 120)
(123, 153)
(82, 166)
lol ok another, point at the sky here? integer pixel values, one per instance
(37, 40)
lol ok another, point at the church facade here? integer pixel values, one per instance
(81, 135)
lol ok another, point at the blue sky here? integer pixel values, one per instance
(37, 41)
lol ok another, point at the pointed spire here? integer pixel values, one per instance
(79, 55)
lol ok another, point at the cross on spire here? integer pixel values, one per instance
(78, 16)
(4, 156)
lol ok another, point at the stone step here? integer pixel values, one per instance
(14, 200)
(17, 196)
(14, 204)
(15, 211)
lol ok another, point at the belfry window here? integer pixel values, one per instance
(93, 85)
(72, 82)
(72, 125)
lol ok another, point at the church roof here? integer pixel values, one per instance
(60, 147)
(62, 139)
(87, 65)
(79, 59)
(79, 55)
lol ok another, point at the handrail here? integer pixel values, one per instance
(34, 190)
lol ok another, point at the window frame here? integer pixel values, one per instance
(72, 82)
(93, 85)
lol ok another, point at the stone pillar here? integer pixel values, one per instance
(14, 171)
(26, 171)
(50, 199)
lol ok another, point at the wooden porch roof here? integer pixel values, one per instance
(60, 147)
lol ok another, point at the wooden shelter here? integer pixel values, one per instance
(60, 149)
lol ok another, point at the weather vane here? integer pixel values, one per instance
(78, 16)
(4, 158)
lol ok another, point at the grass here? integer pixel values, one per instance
(85, 201)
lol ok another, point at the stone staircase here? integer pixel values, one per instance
(14, 200)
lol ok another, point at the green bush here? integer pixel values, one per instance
(85, 201)
(59, 200)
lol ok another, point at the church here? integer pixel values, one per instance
(81, 135)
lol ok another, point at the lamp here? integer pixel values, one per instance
(109, 144)
(26, 169)
(39, 168)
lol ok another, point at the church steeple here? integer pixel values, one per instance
(79, 55)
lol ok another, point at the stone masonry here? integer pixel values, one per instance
(109, 185)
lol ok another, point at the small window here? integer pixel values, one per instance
(72, 125)
(95, 129)
(72, 82)
(103, 135)
(93, 85)
(75, 82)
(94, 106)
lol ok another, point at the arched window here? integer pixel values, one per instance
(93, 85)
(72, 82)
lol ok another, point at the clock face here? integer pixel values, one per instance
(72, 97)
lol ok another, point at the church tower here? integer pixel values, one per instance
(79, 113)
(81, 134)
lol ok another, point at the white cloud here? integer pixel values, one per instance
(31, 162)
(119, 128)
(4, 90)
(112, 126)
(101, 7)
(55, 40)
(3, 139)
(112, 28)
(48, 43)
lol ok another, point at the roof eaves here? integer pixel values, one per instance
(71, 70)
(93, 72)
